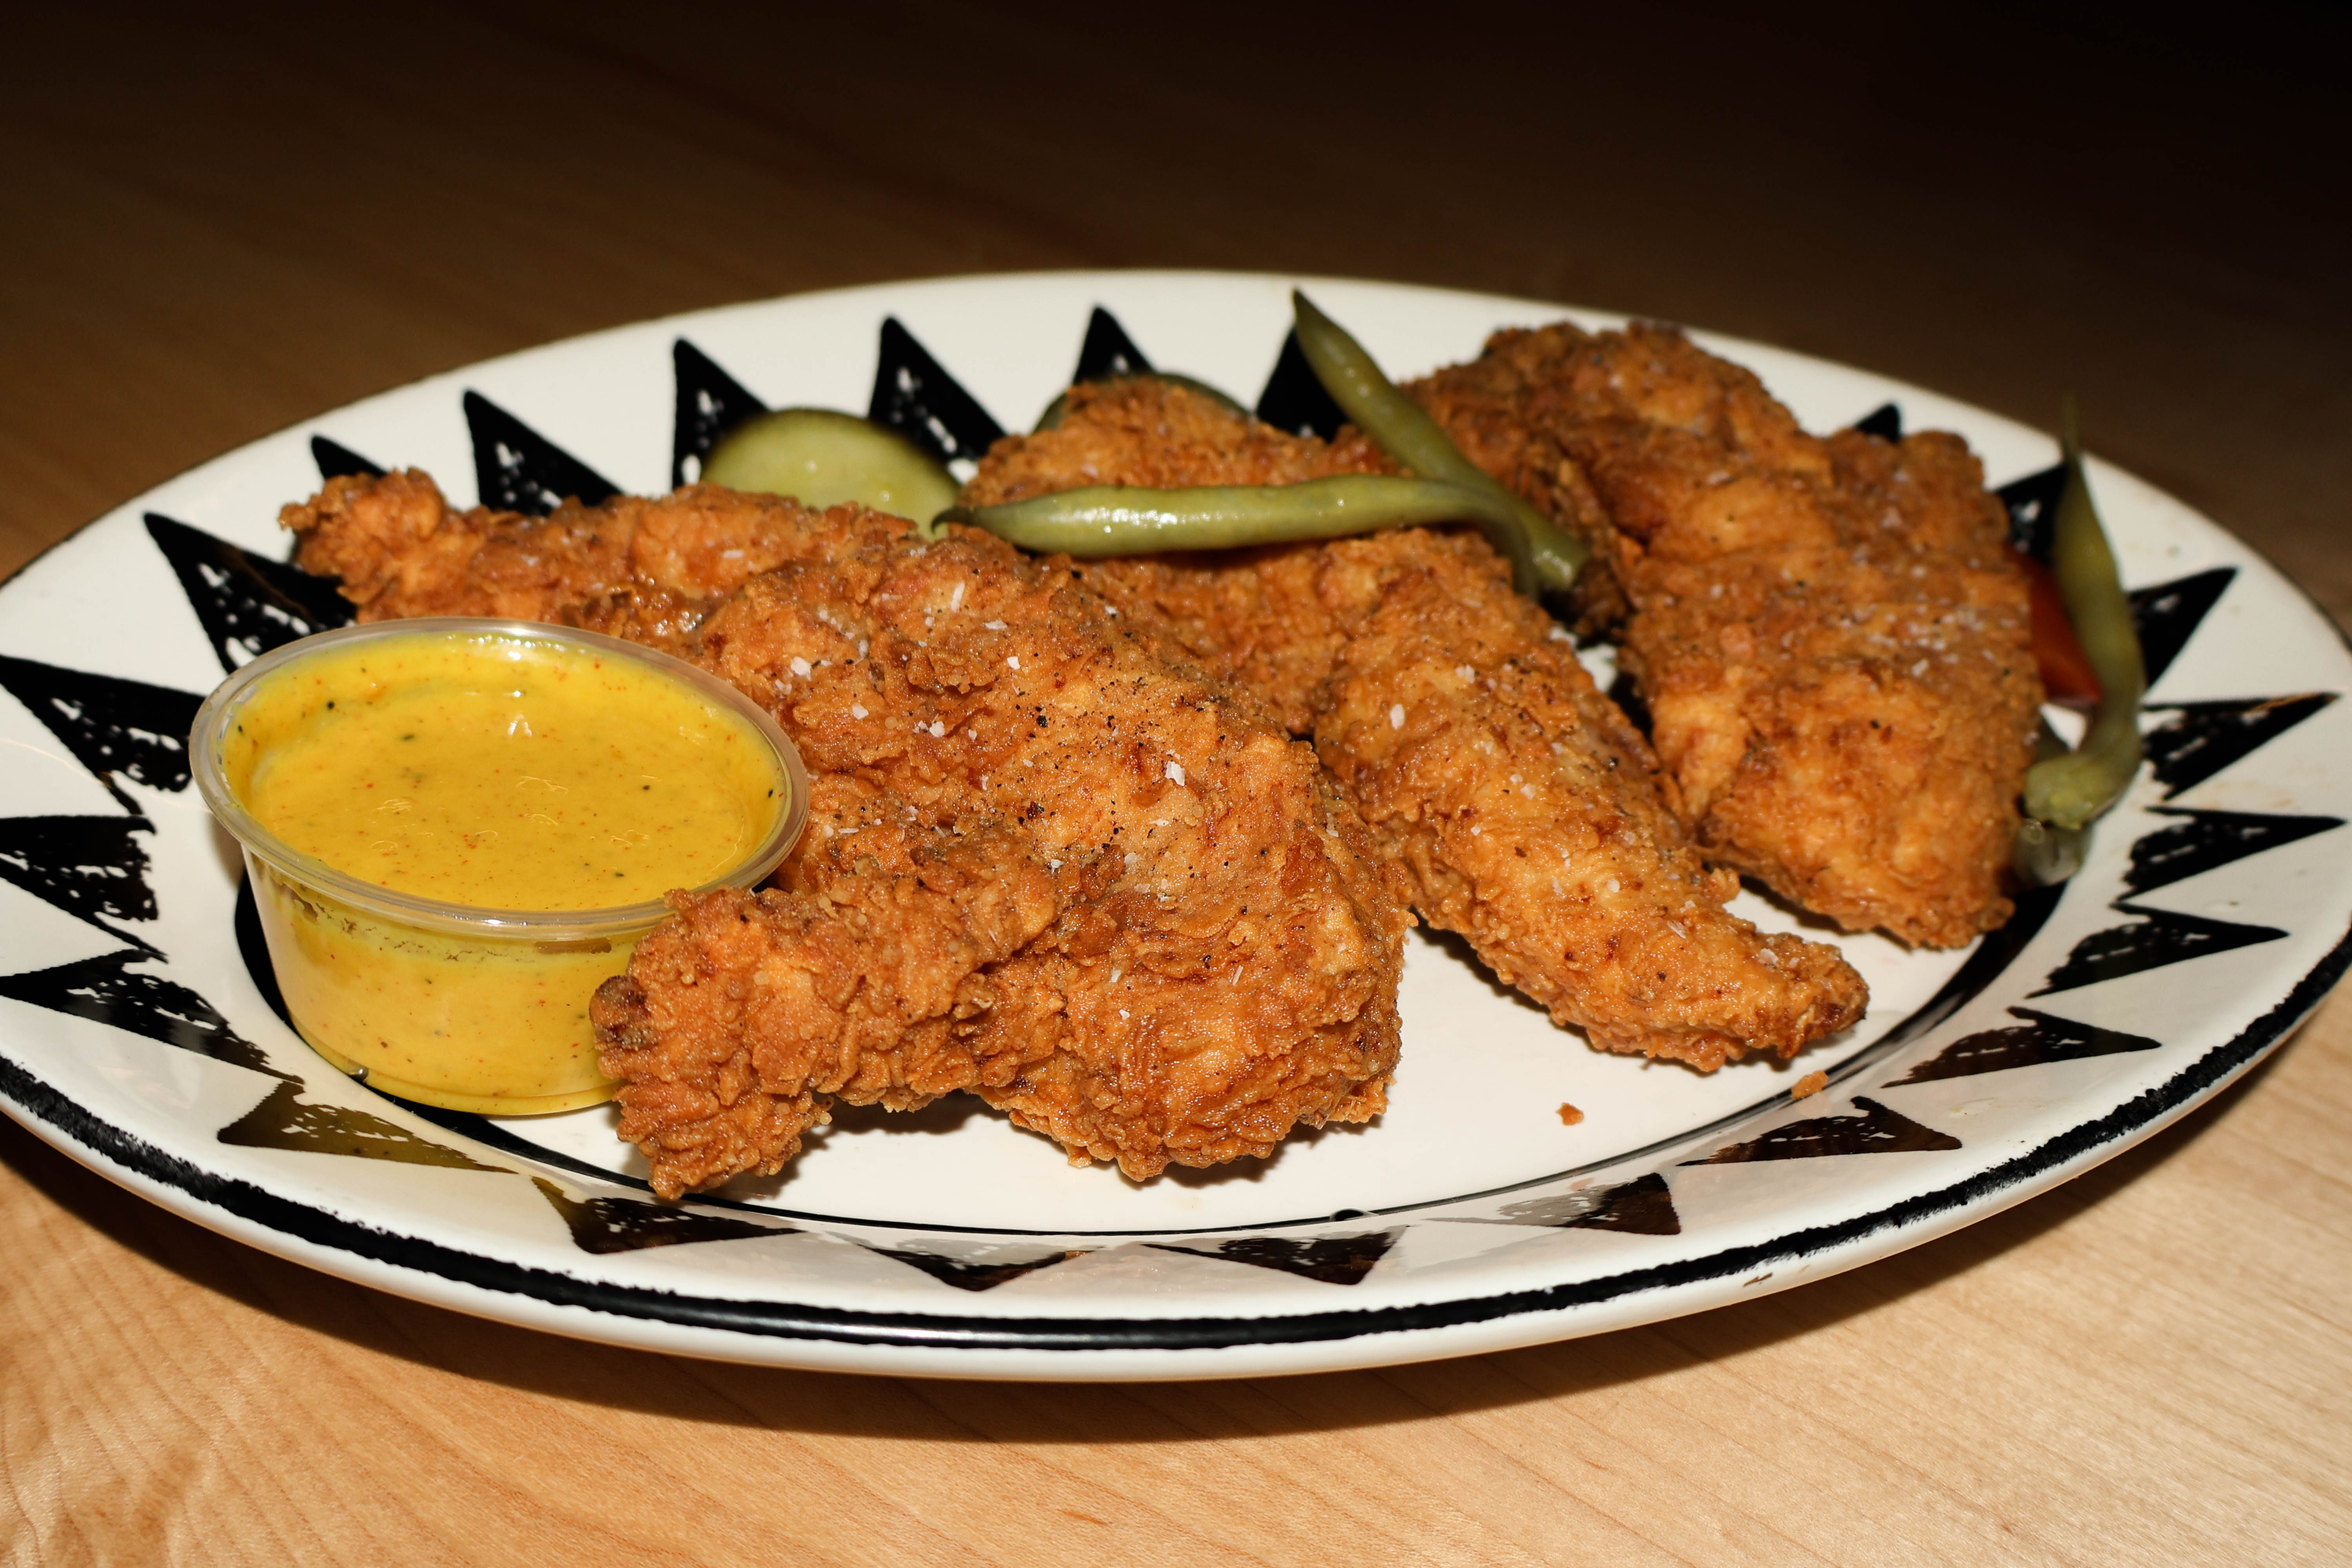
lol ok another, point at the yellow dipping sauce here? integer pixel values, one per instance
(504, 806)
(513, 776)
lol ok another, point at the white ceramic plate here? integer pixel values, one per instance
(134, 1035)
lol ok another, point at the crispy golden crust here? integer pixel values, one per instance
(1532, 817)
(1833, 643)
(1043, 863)
(1456, 717)
(1259, 628)
(648, 570)
(1145, 431)
(737, 1018)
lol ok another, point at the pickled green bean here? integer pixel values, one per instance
(2042, 855)
(1124, 520)
(1550, 555)
(2066, 792)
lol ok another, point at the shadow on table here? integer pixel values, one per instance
(934, 1410)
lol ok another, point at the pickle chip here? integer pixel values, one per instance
(823, 458)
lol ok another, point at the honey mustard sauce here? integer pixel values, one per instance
(508, 777)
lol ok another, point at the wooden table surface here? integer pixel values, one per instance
(217, 226)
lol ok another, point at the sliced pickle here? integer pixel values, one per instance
(1055, 410)
(823, 458)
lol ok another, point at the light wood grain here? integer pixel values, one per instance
(218, 227)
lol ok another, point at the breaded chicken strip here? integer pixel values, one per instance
(1531, 816)
(1252, 618)
(741, 1015)
(1830, 635)
(644, 569)
(1043, 863)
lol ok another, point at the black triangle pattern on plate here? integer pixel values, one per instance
(1108, 351)
(710, 403)
(92, 868)
(1643, 1208)
(2041, 1038)
(916, 396)
(974, 1275)
(516, 468)
(2158, 938)
(1294, 401)
(107, 990)
(1333, 1259)
(2203, 840)
(284, 1121)
(604, 1225)
(2032, 503)
(1885, 422)
(493, 1132)
(1877, 1131)
(2200, 739)
(337, 461)
(110, 724)
(248, 605)
(2167, 614)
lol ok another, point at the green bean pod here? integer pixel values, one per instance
(2066, 792)
(1126, 519)
(1550, 555)
(2042, 855)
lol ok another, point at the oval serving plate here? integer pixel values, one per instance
(136, 1036)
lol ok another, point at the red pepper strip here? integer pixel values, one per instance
(2067, 672)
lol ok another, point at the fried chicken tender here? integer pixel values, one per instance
(1830, 637)
(1253, 620)
(738, 1018)
(1043, 863)
(1531, 816)
(648, 570)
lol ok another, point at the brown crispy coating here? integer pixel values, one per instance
(1832, 640)
(645, 569)
(853, 984)
(1149, 431)
(1043, 863)
(1251, 626)
(1531, 814)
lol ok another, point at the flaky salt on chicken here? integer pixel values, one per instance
(1532, 816)
(1831, 640)
(1043, 862)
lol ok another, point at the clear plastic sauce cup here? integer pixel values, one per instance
(465, 1006)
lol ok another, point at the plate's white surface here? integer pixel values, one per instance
(1469, 1218)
